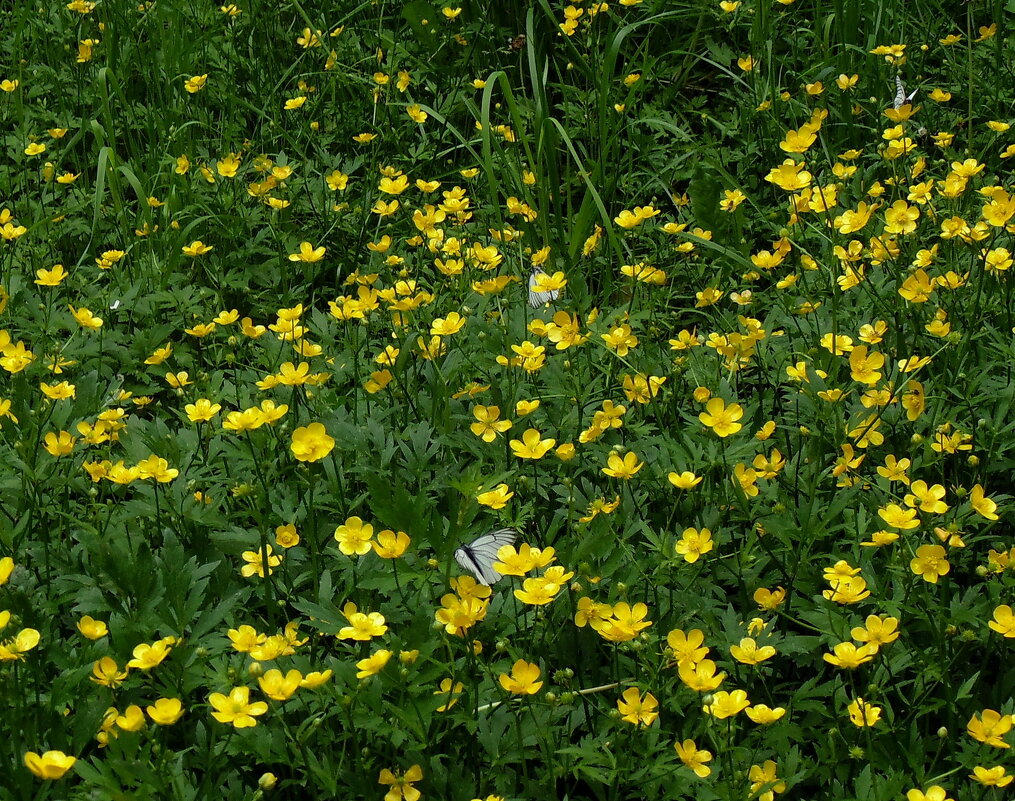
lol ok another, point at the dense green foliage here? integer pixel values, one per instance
(268, 358)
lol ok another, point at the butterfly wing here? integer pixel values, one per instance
(536, 298)
(900, 93)
(479, 555)
(901, 98)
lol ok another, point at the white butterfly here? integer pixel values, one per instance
(901, 98)
(537, 299)
(479, 555)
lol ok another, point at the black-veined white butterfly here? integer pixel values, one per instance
(536, 298)
(479, 555)
(901, 98)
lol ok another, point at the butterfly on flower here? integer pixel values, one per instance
(479, 555)
(901, 98)
(538, 295)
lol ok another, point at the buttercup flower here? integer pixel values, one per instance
(236, 708)
(50, 765)
(311, 443)
(522, 680)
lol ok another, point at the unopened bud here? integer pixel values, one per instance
(267, 781)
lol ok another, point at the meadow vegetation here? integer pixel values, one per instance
(268, 358)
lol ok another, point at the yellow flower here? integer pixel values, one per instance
(846, 655)
(61, 391)
(694, 757)
(693, 544)
(391, 544)
(107, 673)
(765, 776)
(236, 708)
(255, 562)
(638, 709)
(1004, 621)
(623, 468)
(789, 176)
(401, 784)
(531, 446)
(91, 628)
(748, 652)
(195, 83)
(202, 410)
(451, 691)
(930, 563)
(416, 114)
(446, 326)
(722, 419)
(165, 711)
(85, 318)
(991, 777)
(686, 480)
(769, 600)
(877, 631)
(700, 676)
(763, 715)
(197, 248)
(311, 443)
(496, 498)
(523, 679)
(59, 444)
(727, 704)
(990, 727)
(50, 765)
(373, 664)
(308, 253)
(897, 517)
(862, 713)
(933, 793)
(982, 505)
(150, 655)
(50, 277)
(280, 686)
(353, 536)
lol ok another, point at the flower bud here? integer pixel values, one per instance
(255, 670)
(267, 781)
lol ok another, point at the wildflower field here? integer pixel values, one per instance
(507, 400)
